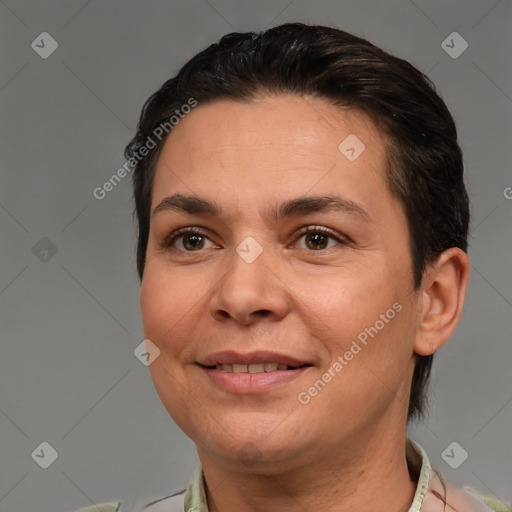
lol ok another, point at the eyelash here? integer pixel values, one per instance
(168, 241)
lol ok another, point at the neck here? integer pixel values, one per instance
(370, 474)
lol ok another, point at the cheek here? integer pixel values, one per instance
(165, 305)
(348, 304)
(173, 306)
(365, 321)
(369, 342)
(153, 306)
(164, 318)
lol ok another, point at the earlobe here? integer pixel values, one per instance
(442, 292)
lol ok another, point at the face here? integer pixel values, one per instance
(299, 256)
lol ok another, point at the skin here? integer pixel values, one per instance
(267, 451)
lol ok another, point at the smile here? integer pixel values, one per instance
(253, 368)
(246, 379)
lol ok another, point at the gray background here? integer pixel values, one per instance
(70, 321)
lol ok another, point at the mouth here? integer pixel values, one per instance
(268, 367)
(249, 373)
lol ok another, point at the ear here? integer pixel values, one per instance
(442, 294)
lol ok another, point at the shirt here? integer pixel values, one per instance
(193, 498)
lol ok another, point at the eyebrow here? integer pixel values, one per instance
(299, 206)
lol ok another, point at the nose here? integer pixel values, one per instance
(250, 291)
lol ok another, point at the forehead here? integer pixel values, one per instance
(284, 143)
(281, 119)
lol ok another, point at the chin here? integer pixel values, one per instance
(253, 450)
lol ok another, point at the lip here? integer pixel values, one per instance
(257, 357)
(250, 383)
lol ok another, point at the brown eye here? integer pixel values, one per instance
(193, 242)
(317, 238)
(316, 241)
(186, 240)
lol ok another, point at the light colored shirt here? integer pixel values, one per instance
(193, 499)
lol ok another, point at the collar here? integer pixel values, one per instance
(195, 496)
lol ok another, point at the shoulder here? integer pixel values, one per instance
(172, 503)
(102, 507)
(464, 500)
(433, 493)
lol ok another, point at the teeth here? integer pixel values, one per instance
(239, 368)
(251, 368)
(256, 368)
